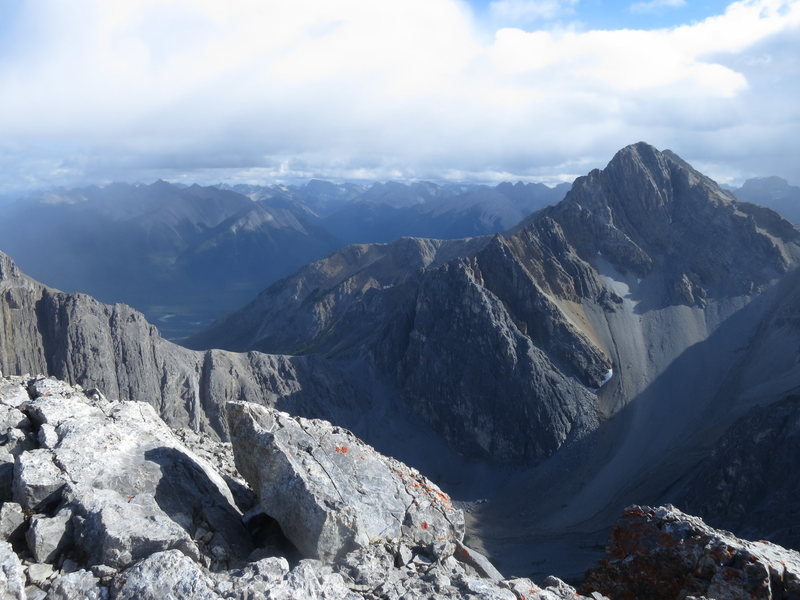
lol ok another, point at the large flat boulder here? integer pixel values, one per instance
(331, 493)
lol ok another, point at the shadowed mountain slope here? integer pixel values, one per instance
(774, 193)
(593, 356)
(611, 337)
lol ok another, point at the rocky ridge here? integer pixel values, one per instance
(113, 348)
(614, 337)
(106, 502)
(664, 554)
(491, 339)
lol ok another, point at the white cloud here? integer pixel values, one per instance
(655, 5)
(145, 88)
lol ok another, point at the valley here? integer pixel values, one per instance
(597, 355)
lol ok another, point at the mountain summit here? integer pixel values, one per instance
(601, 351)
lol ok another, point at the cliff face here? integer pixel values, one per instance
(614, 337)
(114, 348)
(505, 345)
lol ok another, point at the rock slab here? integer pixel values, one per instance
(332, 493)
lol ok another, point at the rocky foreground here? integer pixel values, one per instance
(101, 499)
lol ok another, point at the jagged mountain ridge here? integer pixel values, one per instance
(535, 304)
(77, 338)
(774, 193)
(647, 268)
(80, 339)
(501, 345)
(184, 255)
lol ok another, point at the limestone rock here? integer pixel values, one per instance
(48, 436)
(11, 519)
(46, 537)
(477, 561)
(126, 486)
(39, 574)
(12, 418)
(256, 579)
(34, 592)
(310, 580)
(17, 441)
(664, 554)
(37, 480)
(169, 574)
(12, 577)
(331, 493)
(117, 530)
(80, 584)
(12, 393)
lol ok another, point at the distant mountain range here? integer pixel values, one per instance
(185, 255)
(607, 343)
(774, 193)
(634, 343)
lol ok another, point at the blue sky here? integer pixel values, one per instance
(604, 14)
(262, 91)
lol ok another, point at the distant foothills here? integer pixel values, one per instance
(185, 255)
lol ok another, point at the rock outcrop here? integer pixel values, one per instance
(116, 507)
(749, 482)
(113, 484)
(113, 348)
(664, 554)
(333, 494)
(613, 337)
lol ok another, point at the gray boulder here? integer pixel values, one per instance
(80, 584)
(117, 530)
(11, 520)
(169, 574)
(12, 418)
(664, 554)
(12, 393)
(331, 492)
(47, 536)
(12, 577)
(313, 581)
(38, 481)
(40, 574)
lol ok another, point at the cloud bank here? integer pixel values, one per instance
(263, 90)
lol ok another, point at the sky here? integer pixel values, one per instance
(265, 91)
